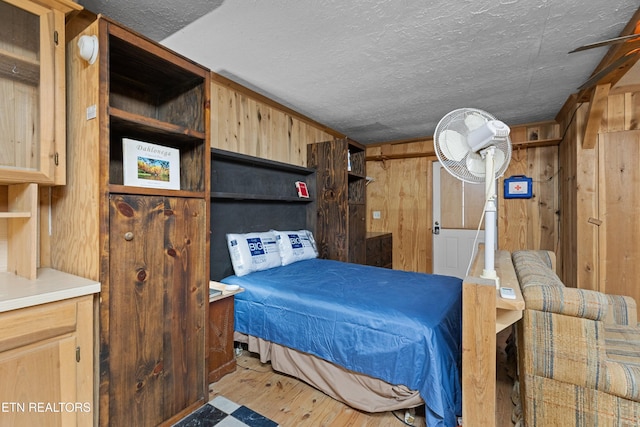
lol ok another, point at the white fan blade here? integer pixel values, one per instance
(474, 121)
(475, 165)
(498, 160)
(453, 145)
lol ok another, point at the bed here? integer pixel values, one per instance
(374, 338)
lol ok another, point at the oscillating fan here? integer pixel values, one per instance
(475, 147)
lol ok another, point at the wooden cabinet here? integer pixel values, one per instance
(147, 245)
(32, 90)
(220, 337)
(32, 129)
(379, 249)
(46, 364)
(341, 209)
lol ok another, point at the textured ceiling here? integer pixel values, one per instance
(389, 70)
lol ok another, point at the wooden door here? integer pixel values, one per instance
(619, 210)
(156, 307)
(457, 210)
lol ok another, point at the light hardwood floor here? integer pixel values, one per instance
(291, 402)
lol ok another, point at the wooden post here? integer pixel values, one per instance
(478, 352)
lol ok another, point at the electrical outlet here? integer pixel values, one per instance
(376, 215)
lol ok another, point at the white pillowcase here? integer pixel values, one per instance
(295, 245)
(253, 252)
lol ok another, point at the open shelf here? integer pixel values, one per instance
(158, 99)
(238, 177)
(265, 197)
(15, 214)
(143, 83)
(22, 225)
(141, 124)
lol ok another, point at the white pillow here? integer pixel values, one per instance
(253, 252)
(295, 245)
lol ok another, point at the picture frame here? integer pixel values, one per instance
(150, 165)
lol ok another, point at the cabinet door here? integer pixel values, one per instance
(31, 92)
(38, 385)
(220, 340)
(155, 361)
(46, 364)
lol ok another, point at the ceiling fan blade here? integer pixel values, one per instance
(614, 40)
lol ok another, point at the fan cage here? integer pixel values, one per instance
(460, 167)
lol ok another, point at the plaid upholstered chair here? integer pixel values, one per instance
(578, 351)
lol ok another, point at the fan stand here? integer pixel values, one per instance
(490, 217)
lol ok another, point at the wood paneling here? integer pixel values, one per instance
(619, 202)
(530, 223)
(600, 203)
(75, 230)
(244, 122)
(402, 193)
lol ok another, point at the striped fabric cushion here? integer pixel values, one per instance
(555, 403)
(624, 380)
(622, 333)
(543, 290)
(569, 301)
(565, 348)
(534, 268)
(622, 310)
(623, 343)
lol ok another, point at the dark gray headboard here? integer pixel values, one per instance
(253, 194)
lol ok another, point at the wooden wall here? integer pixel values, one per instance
(601, 203)
(401, 191)
(246, 122)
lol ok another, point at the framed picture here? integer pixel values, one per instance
(150, 165)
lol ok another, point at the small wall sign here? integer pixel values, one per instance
(302, 189)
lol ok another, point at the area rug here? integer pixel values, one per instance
(222, 412)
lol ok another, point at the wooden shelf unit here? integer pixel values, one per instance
(341, 199)
(149, 247)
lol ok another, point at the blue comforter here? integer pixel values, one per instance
(401, 327)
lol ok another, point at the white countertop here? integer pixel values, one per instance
(51, 285)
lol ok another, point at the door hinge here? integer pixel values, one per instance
(55, 37)
(55, 159)
(78, 354)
